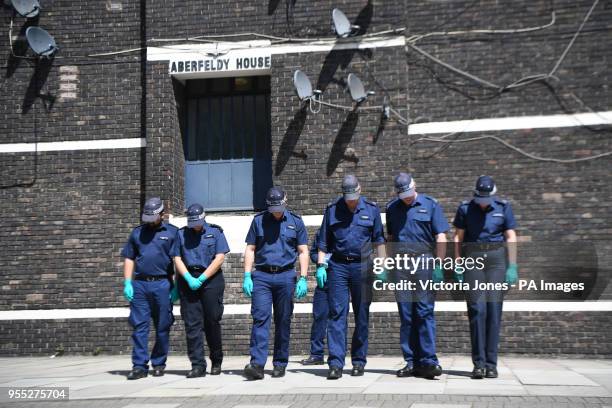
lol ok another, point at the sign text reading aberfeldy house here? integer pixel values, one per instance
(231, 63)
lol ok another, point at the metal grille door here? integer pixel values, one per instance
(227, 144)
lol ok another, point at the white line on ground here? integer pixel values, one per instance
(304, 308)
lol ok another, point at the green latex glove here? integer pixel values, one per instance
(128, 290)
(458, 276)
(438, 274)
(512, 274)
(193, 283)
(202, 278)
(301, 288)
(383, 276)
(174, 294)
(321, 276)
(247, 284)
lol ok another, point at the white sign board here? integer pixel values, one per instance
(232, 63)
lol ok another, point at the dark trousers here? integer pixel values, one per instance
(272, 290)
(348, 281)
(151, 302)
(418, 323)
(318, 331)
(202, 311)
(485, 307)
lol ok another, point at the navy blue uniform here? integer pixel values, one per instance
(152, 251)
(348, 237)
(202, 308)
(416, 226)
(320, 309)
(484, 237)
(274, 280)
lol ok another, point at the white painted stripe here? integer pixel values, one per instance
(473, 125)
(304, 308)
(512, 123)
(197, 51)
(73, 145)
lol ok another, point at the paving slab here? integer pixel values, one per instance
(569, 391)
(552, 377)
(425, 405)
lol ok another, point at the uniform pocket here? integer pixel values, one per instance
(290, 235)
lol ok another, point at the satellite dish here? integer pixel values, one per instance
(41, 42)
(303, 87)
(342, 25)
(26, 8)
(356, 88)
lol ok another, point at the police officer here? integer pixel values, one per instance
(417, 221)
(201, 251)
(148, 272)
(350, 225)
(485, 224)
(320, 311)
(276, 238)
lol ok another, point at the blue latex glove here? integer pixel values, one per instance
(321, 276)
(247, 284)
(202, 278)
(512, 274)
(438, 274)
(128, 290)
(458, 276)
(193, 283)
(174, 294)
(301, 288)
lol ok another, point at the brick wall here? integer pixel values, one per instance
(534, 333)
(66, 214)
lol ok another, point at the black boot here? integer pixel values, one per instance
(197, 372)
(312, 361)
(278, 371)
(137, 374)
(428, 371)
(478, 373)
(334, 373)
(216, 369)
(407, 371)
(253, 372)
(491, 372)
(357, 370)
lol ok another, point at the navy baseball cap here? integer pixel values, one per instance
(152, 209)
(195, 215)
(350, 187)
(485, 190)
(276, 200)
(404, 185)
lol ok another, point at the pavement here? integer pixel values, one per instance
(99, 381)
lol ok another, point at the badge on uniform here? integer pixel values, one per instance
(208, 236)
(164, 238)
(498, 215)
(291, 227)
(365, 217)
(422, 211)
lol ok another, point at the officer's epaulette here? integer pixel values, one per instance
(370, 202)
(295, 215)
(333, 202)
(502, 201)
(430, 198)
(216, 226)
(391, 202)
